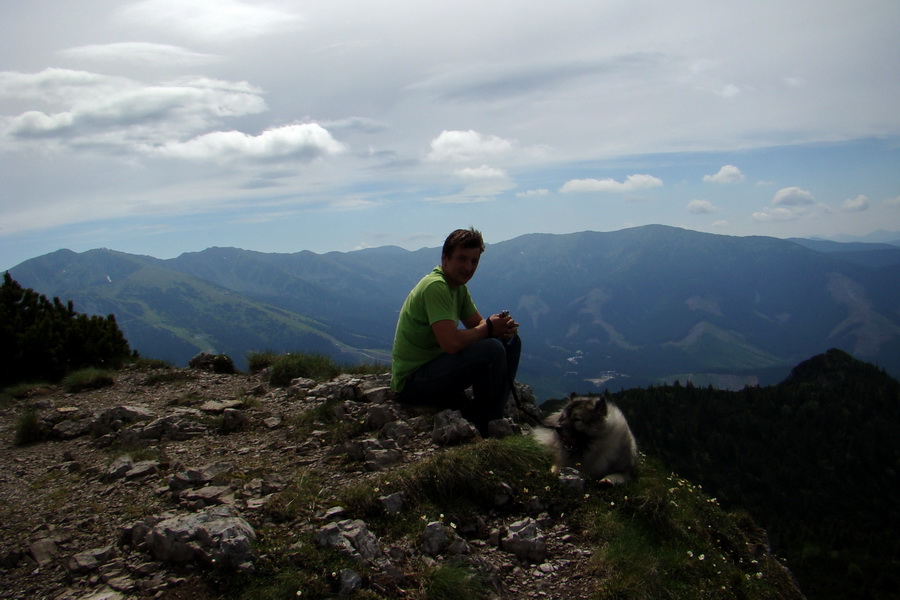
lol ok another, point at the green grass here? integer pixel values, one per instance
(311, 365)
(287, 367)
(28, 427)
(259, 361)
(164, 377)
(87, 379)
(325, 417)
(453, 582)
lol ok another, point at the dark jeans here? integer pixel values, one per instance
(488, 366)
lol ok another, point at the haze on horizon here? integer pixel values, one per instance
(164, 126)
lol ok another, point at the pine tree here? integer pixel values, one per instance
(44, 340)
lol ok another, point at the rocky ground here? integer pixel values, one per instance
(143, 485)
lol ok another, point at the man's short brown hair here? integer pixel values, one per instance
(462, 238)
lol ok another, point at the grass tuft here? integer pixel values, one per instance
(28, 428)
(91, 378)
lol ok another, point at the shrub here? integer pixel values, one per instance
(46, 339)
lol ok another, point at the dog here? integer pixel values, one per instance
(591, 434)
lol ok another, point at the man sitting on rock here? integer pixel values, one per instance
(434, 360)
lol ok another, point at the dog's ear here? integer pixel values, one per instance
(572, 396)
(600, 405)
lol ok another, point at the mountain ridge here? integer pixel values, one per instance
(647, 303)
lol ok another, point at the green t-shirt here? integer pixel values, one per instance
(432, 300)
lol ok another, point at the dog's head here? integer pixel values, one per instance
(579, 421)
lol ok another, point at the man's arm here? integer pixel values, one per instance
(452, 339)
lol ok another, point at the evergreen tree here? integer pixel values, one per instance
(44, 340)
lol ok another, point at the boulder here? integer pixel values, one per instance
(214, 536)
(351, 538)
(450, 428)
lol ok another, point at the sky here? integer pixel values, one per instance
(159, 127)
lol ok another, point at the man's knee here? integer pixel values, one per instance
(492, 349)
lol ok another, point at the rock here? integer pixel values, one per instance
(119, 468)
(399, 431)
(210, 495)
(102, 594)
(303, 383)
(392, 504)
(525, 541)
(350, 582)
(215, 536)
(377, 395)
(501, 428)
(113, 419)
(450, 428)
(43, 551)
(273, 422)
(572, 481)
(434, 539)
(217, 363)
(380, 415)
(142, 469)
(70, 429)
(176, 427)
(351, 538)
(198, 476)
(234, 420)
(85, 562)
(215, 407)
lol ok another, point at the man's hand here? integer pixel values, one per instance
(503, 326)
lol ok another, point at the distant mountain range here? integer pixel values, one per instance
(619, 309)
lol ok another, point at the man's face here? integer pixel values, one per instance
(460, 266)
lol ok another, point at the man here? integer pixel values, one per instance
(434, 360)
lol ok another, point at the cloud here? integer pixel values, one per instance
(482, 172)
(774, 214)
(789, 204)
(460, 146)
(793, 196)
(727, 174)
(485, 183)
(220, 20)
(140, 53)
(101, 111)
(701, 207)
(532, 193)
(631, 183)
(304, 141)
(858, 204)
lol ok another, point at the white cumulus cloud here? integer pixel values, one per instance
(858, 204)
(701, 207)
(631, 183)
(460, 146)
(727, 174)
(306, 141)
(793, 196)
